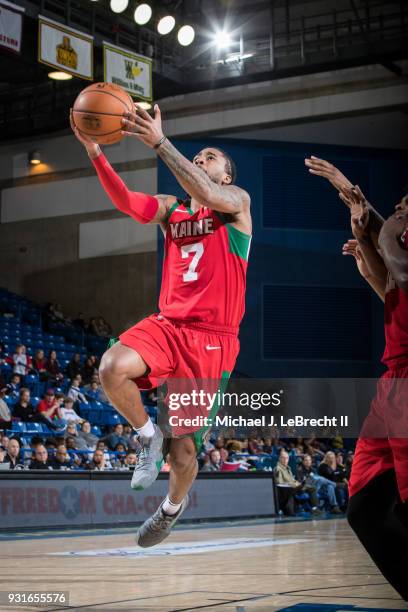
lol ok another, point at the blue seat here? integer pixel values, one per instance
(35, 401)
(96, 430)
(18, 426)
(33, 428)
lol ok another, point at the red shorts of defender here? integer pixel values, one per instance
(181, 354)
(383, 442)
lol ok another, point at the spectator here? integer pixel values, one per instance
(85, 434)
(87, 370)
(307, 475)
(39, 365)
(94, 390)
(5, 441)
(5, 414)
(80, 321)
(62, 460)
(53, 368)
(13, 387)
(23, 409)
(68, 413)
(74, 366)
(288, 486)
(40, 461)
(100, 327)
(214, 462)
(329, 469)
(20, 360)
(98, 461)
(49, 406)
(72, 432)
(120, 456)
(219, 445)
(100, 445)
(130, 460)
(75, 392)
(115, 437)
(3, 453)
(13, 454)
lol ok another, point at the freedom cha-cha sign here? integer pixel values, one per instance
(65, 48)
(131, 71)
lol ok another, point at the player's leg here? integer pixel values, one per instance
(120, 365)
(183, 471)
(373, 515)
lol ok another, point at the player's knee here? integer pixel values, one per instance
(111, 367)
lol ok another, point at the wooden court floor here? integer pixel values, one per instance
(301, 566)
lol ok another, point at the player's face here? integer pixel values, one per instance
(213, 163)
(402, 206)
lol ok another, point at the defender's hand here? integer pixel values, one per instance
(351, 248)
(144, 126)
(321, 167)
(359, 210)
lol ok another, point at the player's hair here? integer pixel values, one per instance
(230, 166)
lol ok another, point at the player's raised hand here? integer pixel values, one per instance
(321, 167)
(146, 128)
(91, 147)
(359, 210)
(352, 248)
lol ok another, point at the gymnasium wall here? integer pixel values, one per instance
(308, 312)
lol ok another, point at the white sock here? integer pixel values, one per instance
(147, 431)
(169, 507)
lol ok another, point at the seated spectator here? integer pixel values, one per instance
(3, 453)
(4, 441)
(5, 414)
(20, 360)
(74, 366)
(219, 445)
(13, 387)
(100, 445)
(80, 321)
(130, 460)
(49, 406)
(307, 475)
(115, 437)
(40, 461)
(214, 462)
(85, 434)
(67, 411)
(23, 409)
(288, 486)
(74, 392)
(98, 461)
(329, 469)
(53, 368)
(120, 456)
(94, 390)
(88, 370)
(79, 442)
(39, 365)
(61, 461)
(100, 327)
(12, 456)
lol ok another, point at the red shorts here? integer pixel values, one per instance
(183, 354)
(383, 442)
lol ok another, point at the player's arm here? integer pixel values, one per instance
(224, 198)
(352, 247)
(142, 207)
(321, 167)
(394, 248)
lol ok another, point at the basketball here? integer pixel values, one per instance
(98, 112)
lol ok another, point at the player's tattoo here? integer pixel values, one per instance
(198, 185)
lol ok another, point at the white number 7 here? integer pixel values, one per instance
(198, 249)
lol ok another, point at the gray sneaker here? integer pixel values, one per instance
(149, 461)
(158, 527)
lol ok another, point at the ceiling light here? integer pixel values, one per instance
(186, 35)
(166, 24)
(118, 6)
(143, 14)
(34, 158)
(145, 105)
(58, 75)
(222, 39)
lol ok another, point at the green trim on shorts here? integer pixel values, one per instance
(199, 435)
(111, 342)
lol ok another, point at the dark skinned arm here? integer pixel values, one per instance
(394, 251)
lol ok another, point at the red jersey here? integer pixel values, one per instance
(204, 269)
(396, 321)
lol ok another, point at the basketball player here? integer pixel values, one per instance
(378, 506)
(202, 299)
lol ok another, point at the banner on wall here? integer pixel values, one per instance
(131, 71)
(11, 24)
(65, 48)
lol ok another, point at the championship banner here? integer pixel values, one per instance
(11, 23)
(131, 71)
(65, 48)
